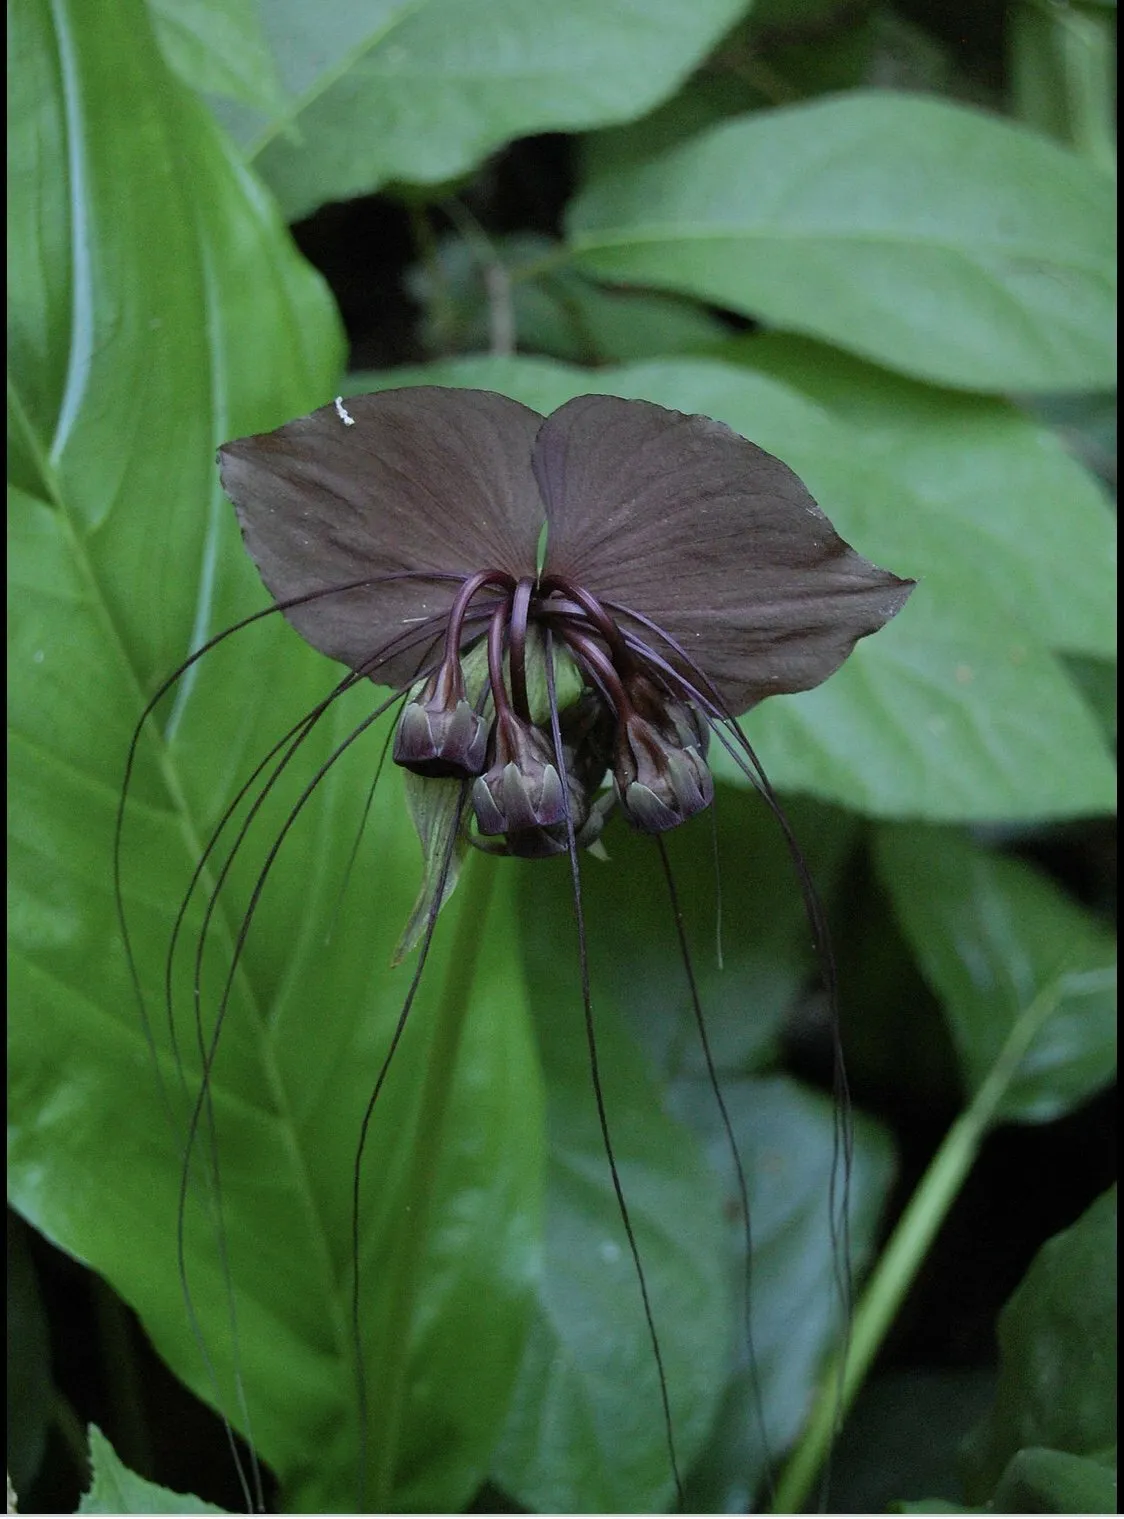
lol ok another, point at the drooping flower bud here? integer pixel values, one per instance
(660, 771)
(521, 792)
(439, 733)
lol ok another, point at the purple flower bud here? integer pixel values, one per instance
(439, 734)
(521, 788)
(660, 780)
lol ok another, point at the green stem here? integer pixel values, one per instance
(475, 893)
(906, 1250)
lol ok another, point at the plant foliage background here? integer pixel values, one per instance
(887, 259)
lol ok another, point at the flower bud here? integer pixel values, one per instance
(439, 734)
(661, 781)
(521, 788)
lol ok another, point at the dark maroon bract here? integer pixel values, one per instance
(687, 575)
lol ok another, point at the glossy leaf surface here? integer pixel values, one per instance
(1057, 1362)
(937, 240)
(992, 936)
(421, 90)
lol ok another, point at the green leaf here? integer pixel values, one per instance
(1003, 496)
(936, 240)
(189, 318)
(786, 1135)
(953, 711)
(421, 92)
(993, 935)
(1057, 1366)
(218, 48)
(1055, 1482)
(586, 1432)
(747, 929)
(116, 1490)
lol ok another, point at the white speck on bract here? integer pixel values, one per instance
(342, 412)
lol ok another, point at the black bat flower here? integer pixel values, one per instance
(687, 576)
(567, 609)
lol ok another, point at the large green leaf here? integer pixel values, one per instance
(1057, 1365)
(956, 709)
(929, 237)
(786, 1137)
(421, 90)
(586, 1432)
(168, 311)
(992, 936)
(1000, 489)
(585, 1429)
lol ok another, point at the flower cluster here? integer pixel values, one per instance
(687, 575)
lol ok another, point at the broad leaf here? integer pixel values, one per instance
(586, 1398)
(167, 311)
(218, 47)
(1039, 1481)
(993, 936)
(1000, 490)
(421, 90)
(745, 923)
(955, 710)
(586, 1432)
(934, 239)
(114, 1489)
(786, 1135)
(1057, 1358)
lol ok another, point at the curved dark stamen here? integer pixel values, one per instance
(243, 932)
(296, 733)
(733, 740)
(208, 1055)
(517, 645)
(203, 1101)
(256, 1498)
(364, 1130)
(733, 1150)
(131, 758)
(595, 1075)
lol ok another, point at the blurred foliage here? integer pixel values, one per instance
(883, 257)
